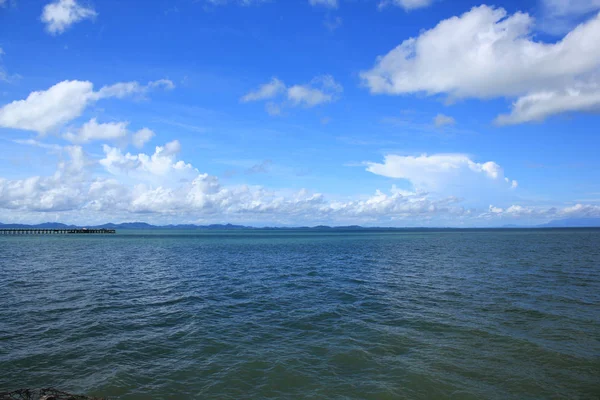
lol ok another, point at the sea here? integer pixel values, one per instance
(304, 314)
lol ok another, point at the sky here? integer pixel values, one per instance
(395, 113)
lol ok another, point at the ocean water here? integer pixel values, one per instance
(473, 314)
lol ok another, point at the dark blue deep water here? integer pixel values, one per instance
(474, 314)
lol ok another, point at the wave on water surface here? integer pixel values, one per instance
(494, 314)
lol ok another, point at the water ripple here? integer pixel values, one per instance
(415, 315)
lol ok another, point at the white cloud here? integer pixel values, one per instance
(495, 210)
(559, 16)
(539, 213)
(161, 188)
(406, 4)
(37, 143)
(307, 96)
(147, 184)
(162, 185)
(61, 14)
(439, 172)
(165, 84)
(266, 91)
(59, 192)
(441, 120)
(540, 105)
(570, 7)
(399, 205)
(325, 3)
(486, 53)
(92, 130)
(2, 4)
(43, 111)
(161, 166)
(141, 137)
(124, 89)
(491, 55)
(322, 89)
(108, 132)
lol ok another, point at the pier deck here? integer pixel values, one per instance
(34, 231)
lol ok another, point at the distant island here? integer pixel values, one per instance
(563, 223)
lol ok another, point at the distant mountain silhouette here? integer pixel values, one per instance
(573, 223)
(45, 225)
(564, 223)
(125, 225)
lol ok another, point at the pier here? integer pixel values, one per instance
(35, 231)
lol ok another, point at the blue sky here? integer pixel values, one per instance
(300, 112)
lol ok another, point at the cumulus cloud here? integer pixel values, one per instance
(43, 111)
(406, 4)
(438, 172)
(400, 205)
(92, 130)
(540, 105)
(58, 192)
(108, 132)
(321, 90)
(162, 166)
(541, 213)
(165, 189)
(441, 120)
(307, 96)
(61, 14)
(495, 210)
(141, 137)
(491, 54)
(201, 198)
(325, 3)
(160, 184)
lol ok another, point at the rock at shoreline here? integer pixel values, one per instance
(43, 394)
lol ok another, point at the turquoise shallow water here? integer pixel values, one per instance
(475, 314)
